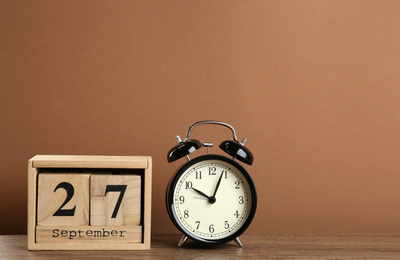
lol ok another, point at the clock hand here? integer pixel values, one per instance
(200, 198)
(218, 183)
(201, 193)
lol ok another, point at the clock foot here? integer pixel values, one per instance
(238, 242)
(182, 241)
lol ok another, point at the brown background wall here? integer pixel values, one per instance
(313, 85)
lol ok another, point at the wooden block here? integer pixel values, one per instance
(63, 199)
(87, 161)
(88, 234)
(32, 203)
(115, 200)
(41, 199)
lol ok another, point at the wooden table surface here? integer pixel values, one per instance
(255, 246)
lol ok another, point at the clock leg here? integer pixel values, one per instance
(182, 241)
(238, 242)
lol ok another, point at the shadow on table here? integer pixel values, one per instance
(173, 240)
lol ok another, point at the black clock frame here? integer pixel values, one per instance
(170, 198)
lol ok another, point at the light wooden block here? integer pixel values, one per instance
(115, 200)
(63, 199)
(88, 234)
(49, 232)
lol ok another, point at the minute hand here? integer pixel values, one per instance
(218, 183)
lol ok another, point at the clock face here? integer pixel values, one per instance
(212, 199)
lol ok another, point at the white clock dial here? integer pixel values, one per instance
(212, 199)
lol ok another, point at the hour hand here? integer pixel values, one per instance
(201, 193)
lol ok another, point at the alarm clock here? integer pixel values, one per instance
(211, 198)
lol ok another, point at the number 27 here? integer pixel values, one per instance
(69, 188)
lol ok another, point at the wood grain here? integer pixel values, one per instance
(88, 234)
(148, 178)
(89, 161)
(102, 205)
(256, 246)
(50, 199)
(32, 202)
(46, 164)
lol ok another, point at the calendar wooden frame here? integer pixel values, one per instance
(70, 162)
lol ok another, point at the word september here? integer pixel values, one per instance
(71, 234)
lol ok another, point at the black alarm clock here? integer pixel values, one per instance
(211, 198)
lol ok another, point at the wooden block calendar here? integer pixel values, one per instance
(89, 202)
